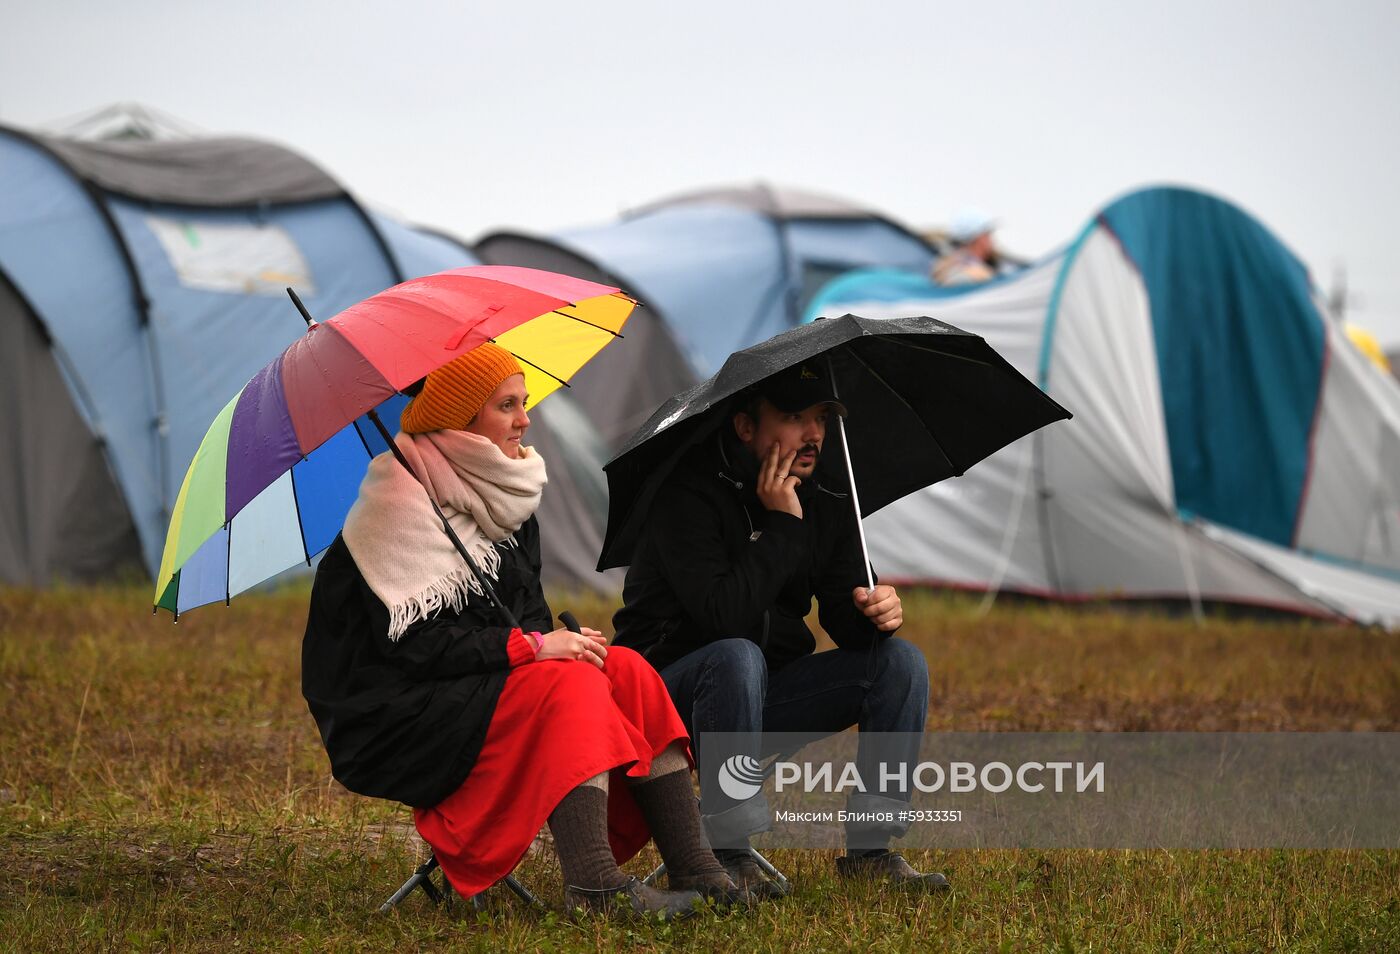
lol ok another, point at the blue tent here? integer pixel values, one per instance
(730, 267)
(141, 284)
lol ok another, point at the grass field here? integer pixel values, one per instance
(162, 787)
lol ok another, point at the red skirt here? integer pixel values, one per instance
(557, 723)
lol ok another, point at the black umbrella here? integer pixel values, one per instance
(926, 401)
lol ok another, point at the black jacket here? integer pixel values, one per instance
(406, 720)
(713, 563)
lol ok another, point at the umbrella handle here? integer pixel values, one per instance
(481, 577)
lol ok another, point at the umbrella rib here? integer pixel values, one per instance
(942, 354)
(538, 368)
(364, 441)
(902, 400)
(301, 526)
(590, 324)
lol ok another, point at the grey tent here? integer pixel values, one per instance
(52, 463)
(718, 269)
(619, 388)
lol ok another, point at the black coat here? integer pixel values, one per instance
(713, 563)
(406, 720)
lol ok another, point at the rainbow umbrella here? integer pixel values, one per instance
(277, 471)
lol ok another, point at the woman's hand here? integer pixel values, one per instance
(589, 646)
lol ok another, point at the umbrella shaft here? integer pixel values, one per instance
(855, 502)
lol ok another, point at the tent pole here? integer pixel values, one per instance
(1188, 569)
(1008, 538)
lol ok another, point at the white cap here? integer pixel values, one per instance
(969, 223)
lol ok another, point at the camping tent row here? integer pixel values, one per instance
(1256, 466)
(141, 286)
(718, 270)
(1229, 443)
(728, 267)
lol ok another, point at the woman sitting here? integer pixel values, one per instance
(422, 695)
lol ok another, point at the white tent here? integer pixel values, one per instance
(1229, 443)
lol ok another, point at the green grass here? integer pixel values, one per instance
(162, 787)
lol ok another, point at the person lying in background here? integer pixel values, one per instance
(974, 258)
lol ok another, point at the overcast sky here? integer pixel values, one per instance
(543, 115)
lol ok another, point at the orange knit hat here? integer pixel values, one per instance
(454, 393)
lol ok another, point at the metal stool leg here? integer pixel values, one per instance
(521, 892)
(778, 877)
(421, 877)
(763, 863)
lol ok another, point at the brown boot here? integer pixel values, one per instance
(633, 899)
(890, 866)
(714, 886)
(745, 872)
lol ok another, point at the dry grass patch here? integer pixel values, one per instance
(162, 787)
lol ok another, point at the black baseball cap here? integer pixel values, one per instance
(799, 387)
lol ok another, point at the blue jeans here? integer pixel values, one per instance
(725, 687)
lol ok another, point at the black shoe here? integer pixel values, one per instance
(890, 866)
(751, 880)
(633, 898)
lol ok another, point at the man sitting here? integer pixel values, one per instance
(743, 534)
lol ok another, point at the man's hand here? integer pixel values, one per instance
(881, 605)
(776, 489)
(589, 646)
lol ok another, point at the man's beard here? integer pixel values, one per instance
(816, 453)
